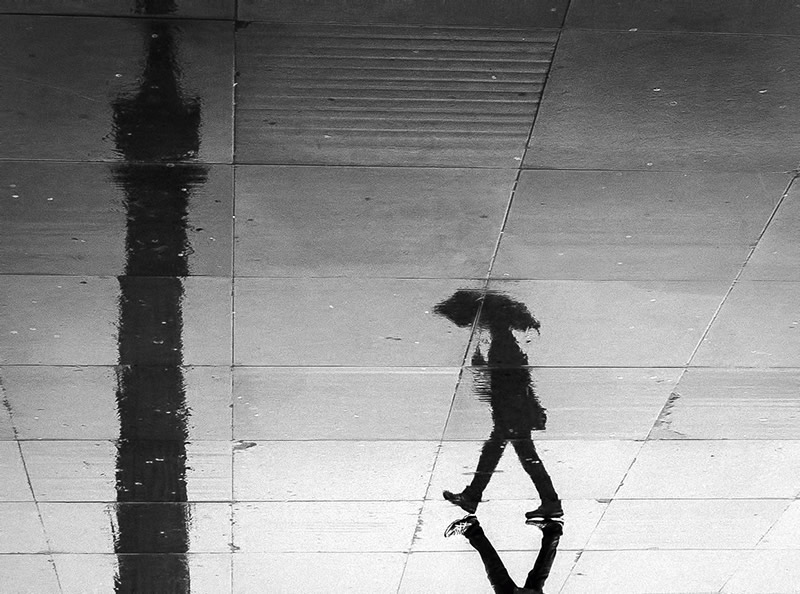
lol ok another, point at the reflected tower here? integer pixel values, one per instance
(156, 131)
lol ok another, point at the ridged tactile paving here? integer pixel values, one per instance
(385, 95)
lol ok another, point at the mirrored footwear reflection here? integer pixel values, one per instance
(504, 382)
(496, 572)
(157, 125)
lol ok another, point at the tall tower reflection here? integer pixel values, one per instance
(155, 130)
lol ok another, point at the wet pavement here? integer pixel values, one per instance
(289, 289)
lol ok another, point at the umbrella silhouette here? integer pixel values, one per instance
(496, 310)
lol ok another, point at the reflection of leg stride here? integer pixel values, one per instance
(551, 534)
(495, 570)
(533, 466)
(491, 453)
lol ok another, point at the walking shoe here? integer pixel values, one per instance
(459, 499)
(547, 510)
(548, 525)
(460, 526)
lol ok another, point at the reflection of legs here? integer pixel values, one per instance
(533, 466)
(495, 570)
(491, 453)
(551, 534)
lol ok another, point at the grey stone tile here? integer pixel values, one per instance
(66, 320)
(667, 572)
(717, 16)
(70, 95)
(764, 572)
(332, 470)
(715, 103)
(274, 403)
(70, 218)
(94, 528)
(778, 250)
(97, 574)
(28, 574)
(210, 9)
(634, 225)
(351, 322)
(317, 572)
(716, 469)
(305, 526)
(82, 403)
(680, 524)
(14, 486)
(758, 326)
(22, 530)
(376, 222)
(85, 471)
(732, 404)
(514, 14)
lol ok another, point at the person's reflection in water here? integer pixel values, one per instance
(504, 381)
(495, 570)
(155, 130)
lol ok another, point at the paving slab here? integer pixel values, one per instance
(714, 469)
(764, 572)
(783, 533)
(95, 528)
(77, 92)
(77, 403)
(717, 16)
(350, 322)
(666, 572)
(513, 14)
(732, 404)
(681, 524)
(628, 225)
(96, 574)
(775, 257)
(610, 323)
(28, 574)
(715, 103)
(73, 218)
(580, 403)
(22, 530)
(305, 526)
(332, 470)
(279, 403)
(37, 332)
(758, 326)
(391, 95)
(208, 9)
(15, 486)
(84, 471)
(317, 572)
(374, 222)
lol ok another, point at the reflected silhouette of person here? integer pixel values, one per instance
(501, 581)
(504, 381)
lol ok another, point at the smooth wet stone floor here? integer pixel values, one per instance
(274, 276)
